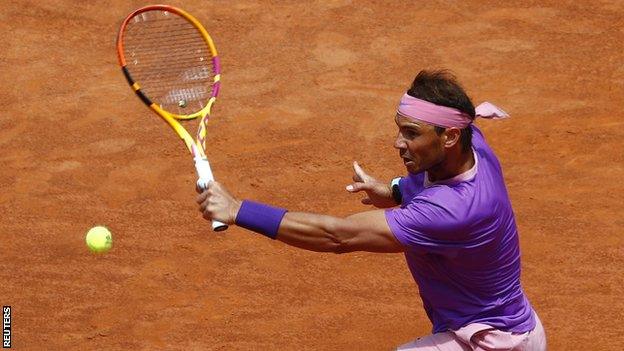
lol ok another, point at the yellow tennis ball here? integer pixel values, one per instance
(99, 239)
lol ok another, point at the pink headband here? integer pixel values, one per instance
(443, 116)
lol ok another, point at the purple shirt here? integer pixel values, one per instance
(462, 246)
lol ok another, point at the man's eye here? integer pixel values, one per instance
(410, 133)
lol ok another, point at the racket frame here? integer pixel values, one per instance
(196, 146)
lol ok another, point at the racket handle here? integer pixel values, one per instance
(204, 172)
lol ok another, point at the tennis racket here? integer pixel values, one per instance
(171, 63)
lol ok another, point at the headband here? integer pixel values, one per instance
(443, 116)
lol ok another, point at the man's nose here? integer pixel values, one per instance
(399, 142)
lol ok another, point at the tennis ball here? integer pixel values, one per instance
(99, 239)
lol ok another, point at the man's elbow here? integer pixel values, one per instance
(339, 241)
(338, 247)
(344, 247)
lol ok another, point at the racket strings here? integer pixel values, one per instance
(170, 60)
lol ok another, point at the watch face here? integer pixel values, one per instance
(395, 181)
(396, 191)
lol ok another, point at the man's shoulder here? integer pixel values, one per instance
(454, 200)
(478, 139)
(434, 216)
(487, 157)
(461, 205)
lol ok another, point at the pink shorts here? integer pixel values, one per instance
(480, 337)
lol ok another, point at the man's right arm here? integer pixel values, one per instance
(365, 231)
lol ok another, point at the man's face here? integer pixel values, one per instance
(420, 147)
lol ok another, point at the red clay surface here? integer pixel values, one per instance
(307, 89)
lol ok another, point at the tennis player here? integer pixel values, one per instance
(450, 215)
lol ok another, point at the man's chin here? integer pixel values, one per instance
(412, 168)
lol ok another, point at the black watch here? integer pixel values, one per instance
(396, 190)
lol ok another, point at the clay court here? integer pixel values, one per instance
(307, 88)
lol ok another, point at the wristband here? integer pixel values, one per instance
(396, 190)
(260, 218)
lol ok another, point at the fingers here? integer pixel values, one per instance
(204, 197)
(202, 185)
(203, 193)
(201, 197)
(216, 203)
(356, 187)
(207, 203)
(207, 215)
(198, 188)
(203, 203)
(359, 172)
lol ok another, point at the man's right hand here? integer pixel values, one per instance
(379, 194)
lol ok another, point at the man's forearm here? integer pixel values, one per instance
(313, 232)
(364, 231)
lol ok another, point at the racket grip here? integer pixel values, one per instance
(204, 172)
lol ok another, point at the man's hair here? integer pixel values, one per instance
(441, 88)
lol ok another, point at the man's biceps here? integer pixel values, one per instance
(377, 235)
(385, 236)
(380, 228)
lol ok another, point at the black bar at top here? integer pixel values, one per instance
(142, 96)
(127, 75)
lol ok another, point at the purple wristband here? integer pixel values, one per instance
(260, 218)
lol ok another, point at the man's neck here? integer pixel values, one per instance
(455, 163)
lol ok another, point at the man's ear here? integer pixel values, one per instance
(451, 137)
